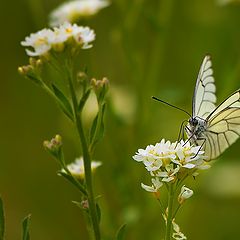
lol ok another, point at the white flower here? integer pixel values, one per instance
(84, 36)
(189, 156)
(168, 161)
(74, 10)
(39, 41)
(156, 184)
(153, 156)
(47, 39)
(178, 235)
(184, 194)
(169, 174)
(77, 167)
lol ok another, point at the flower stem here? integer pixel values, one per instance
(170, 212)
(86, 159)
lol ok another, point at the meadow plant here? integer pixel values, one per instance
(169, 165)
(57, 48)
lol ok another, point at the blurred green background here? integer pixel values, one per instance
(145, 48)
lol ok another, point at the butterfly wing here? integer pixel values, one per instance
(223, 126)
(204, 97)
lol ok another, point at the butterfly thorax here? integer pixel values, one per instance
(196, 128)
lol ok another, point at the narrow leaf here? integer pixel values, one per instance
(2, 220)
(83, 205)
(36, 80)
(78, 204)
(78, 185)
(83, 100)
(63, 102)
(93, 128)
(25, 227)
(98, 213)
(97, 132)
(121, 232)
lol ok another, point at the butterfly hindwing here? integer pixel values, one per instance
(223, 126)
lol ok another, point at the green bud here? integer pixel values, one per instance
(184, 194)
(35, 63)
(85, 204)
(81, 76)
(25, 70)
(100, 88)
(53, 146)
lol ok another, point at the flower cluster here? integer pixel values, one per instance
(77, 167)
(167, 162)
(74, 10)
(44, 40)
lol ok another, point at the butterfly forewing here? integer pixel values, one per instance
(204, 95)
(213, 128)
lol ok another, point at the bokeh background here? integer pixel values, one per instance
(145, 48)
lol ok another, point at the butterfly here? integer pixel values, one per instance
(212, 127)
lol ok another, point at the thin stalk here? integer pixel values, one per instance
(161, 206)
(179, 183)
(175, 213)
(170, 212)
(86, 159)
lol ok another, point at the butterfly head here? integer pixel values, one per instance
(193, 121)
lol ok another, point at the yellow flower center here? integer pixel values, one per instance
(69, 30)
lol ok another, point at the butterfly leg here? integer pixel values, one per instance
(201, 146)
(190, 134)
(181, 131)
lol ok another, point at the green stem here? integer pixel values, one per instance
(86, 159)
(175, 213)
(161, 206)
(170, 212)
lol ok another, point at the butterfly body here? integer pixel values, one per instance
(213, 127)
(196, 129)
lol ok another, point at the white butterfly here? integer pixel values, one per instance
(214, 128)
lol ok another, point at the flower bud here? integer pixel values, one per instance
(25, 70)
(54, 146)
(81, 75)
(184, 194)
(85, 204)
(100, 87)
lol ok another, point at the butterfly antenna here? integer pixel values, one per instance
(157, 99)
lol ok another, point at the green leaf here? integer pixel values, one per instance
(121, 232)
(78, 185)
(63, 102)
(83, 100)
(25, 227)
(35, 79)
(2, 220)
(97, 129)
(98, 212)
(78, 204)
(93, 128)
(68, 177)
